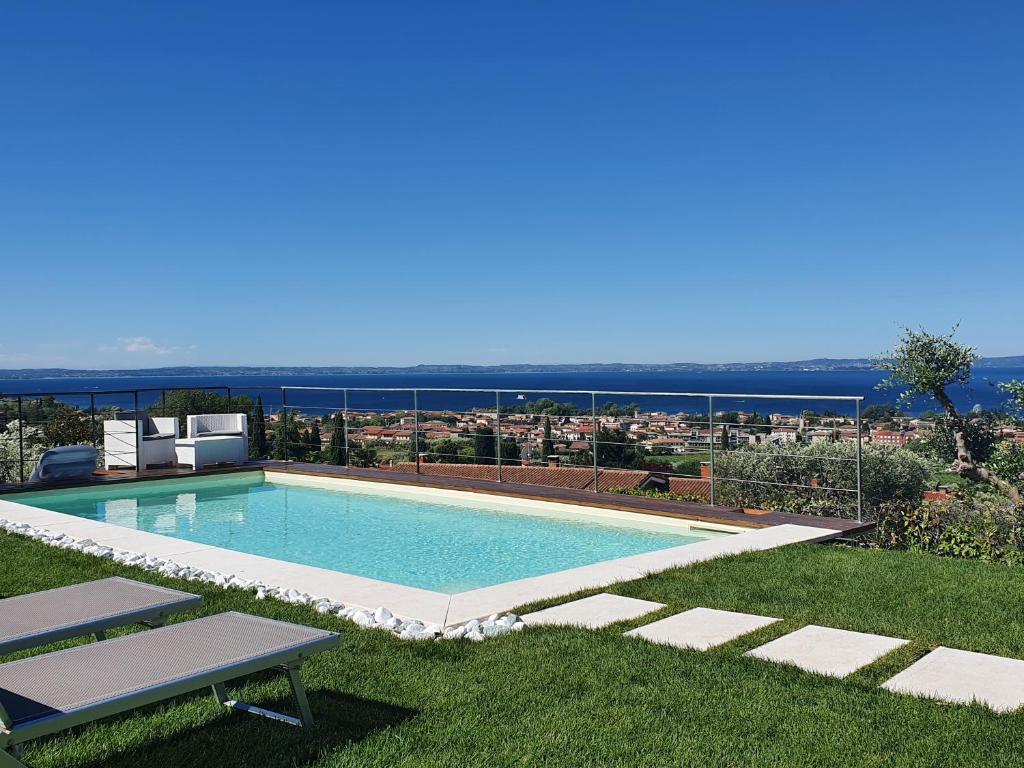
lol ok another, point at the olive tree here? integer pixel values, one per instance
(925, 365)
(69, 426)
(1014, 391)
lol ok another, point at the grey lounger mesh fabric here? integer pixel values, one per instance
(93, 607)
(49, 693)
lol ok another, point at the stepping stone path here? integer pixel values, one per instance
(592, 612)
(945, 673)
(827, 651)
(962, 677)
(701, 628)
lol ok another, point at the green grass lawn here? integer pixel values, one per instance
(564, 697)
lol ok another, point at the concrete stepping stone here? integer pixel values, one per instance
(963, 677)
(701, 628)
(827, 651)
(593, 612)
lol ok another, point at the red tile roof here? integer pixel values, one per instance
(690, 486)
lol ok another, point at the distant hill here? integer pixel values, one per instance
(816, 364)
(1011, 361)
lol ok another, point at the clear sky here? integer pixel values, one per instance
(482, 182)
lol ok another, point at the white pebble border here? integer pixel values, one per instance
(382, 618)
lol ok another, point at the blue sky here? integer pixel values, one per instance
(481, 182)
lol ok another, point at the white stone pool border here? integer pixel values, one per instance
(357, 595)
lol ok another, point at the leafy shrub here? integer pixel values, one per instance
(982, 526)
(818, 478)
(363, 456)
(10, 457)
(1008, 461)
(685, 464)
(979, 432)
(450, 451)
(69, 426)
(695, 498)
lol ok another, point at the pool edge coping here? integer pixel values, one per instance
(412, 602)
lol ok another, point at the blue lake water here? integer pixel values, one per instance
(417, 541)
(805, 383)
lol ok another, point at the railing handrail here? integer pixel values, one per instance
(620, 393)
(76, 392)
(484, 390)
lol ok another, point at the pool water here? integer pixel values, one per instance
(430, 542)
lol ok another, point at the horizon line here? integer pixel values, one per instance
(860, 362)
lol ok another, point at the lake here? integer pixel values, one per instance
(806, 384)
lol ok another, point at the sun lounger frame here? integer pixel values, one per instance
(289, 660)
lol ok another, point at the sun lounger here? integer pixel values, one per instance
(45, 694)
(28, 621)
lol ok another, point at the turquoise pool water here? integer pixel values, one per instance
(419, 541)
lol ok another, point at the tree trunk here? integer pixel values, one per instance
(965, 465)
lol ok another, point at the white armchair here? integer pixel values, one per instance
(230, 432)
(218, 424)
(131, 438)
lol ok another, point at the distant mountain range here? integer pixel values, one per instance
(816, 364)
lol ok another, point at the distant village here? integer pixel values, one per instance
(660, 433)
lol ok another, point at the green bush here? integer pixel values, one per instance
(979, 431)
(694, 498)
(982, 526)
(818, 478)
(1008, 461)
(680, 464)
(449, 451)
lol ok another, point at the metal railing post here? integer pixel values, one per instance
(229, 399)
(711, 445)
(416, 427)
(138, 442)
(344, 424)
(859, 439)
(497, 430)
(92, 417)
(284, 422)
(593, 440)
(21, 443)
(163, 402)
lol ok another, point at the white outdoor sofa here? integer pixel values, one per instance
(214, 438)
(131, 439)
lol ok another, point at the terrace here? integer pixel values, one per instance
(694, 692)
(506, 442)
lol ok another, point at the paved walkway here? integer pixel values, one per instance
(593, 612)
(962, 677)
(701, 628)
(827, 651)
(945, 674)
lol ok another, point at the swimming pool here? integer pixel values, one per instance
(443, 541)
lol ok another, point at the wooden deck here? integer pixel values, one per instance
(639, 504)
(113, 476)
